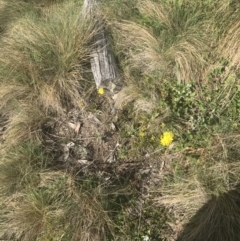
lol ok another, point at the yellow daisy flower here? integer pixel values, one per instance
(101, 91)
(142, 133)
(167, 138)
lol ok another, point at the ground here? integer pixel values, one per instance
(156, 158)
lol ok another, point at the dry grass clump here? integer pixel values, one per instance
(124, 9)
(19, 167)
(140, 46)
(155, 10)
(12, 10)
(57, 208)
(229, 21)
(91, 222)
(47, 57)
(205, 182)
(24, 124)
(166, 42)
(217, 220)
(185, 196)
(131, 94)
(173, 46)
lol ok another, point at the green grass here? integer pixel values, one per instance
(179, 62)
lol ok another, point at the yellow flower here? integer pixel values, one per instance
(142, 133)
(121, 106)
(167, 138)
(152, 138)
(101, 91)
(143, 128)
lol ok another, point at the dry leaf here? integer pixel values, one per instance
(113, 127)
(77, 127)
(94, 118)
(83, 162)
(71, 125)
(65, 152)
(70, 144)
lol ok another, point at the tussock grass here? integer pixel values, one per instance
(185, 196)
(11, 11)
(19, 167)
(228, 17)
(57, 209)
(216, 220)
(131, 94)
(164, 42)
(24, 124)
(116, 9)
(41, 204)
(188, 193)
(37, 215)
(155, 10)
(47, 57)
(91, 222)
(145, 49)
(173, 45)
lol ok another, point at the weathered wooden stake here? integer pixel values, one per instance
(103, 64)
